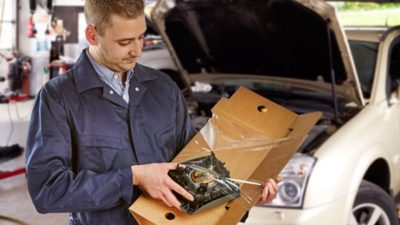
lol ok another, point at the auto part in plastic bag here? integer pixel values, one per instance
(207, 179)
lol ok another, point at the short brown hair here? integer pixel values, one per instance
(98, 12)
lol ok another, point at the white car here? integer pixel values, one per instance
(296, 53)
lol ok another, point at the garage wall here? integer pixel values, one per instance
(38, 48)
(28, 46)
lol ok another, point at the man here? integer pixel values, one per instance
(101, 133)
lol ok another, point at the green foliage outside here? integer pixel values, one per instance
(368, 14)
(355, 6)
(370, 19)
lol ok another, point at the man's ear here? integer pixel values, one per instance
(91, 35)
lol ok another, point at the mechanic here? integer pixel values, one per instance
(101, 133)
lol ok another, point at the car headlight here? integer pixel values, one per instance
(294, 181)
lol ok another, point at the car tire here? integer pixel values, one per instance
(373, 206)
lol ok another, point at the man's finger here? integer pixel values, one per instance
(173, 165)
(165, 200)
(264, 194)
(274, 183)
(172, 199)
(271, 189)
(180, 190)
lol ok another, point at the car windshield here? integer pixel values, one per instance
(352, 13)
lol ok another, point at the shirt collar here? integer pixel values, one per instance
(105, 74)
(86, 78)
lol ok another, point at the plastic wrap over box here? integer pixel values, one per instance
(254, 137)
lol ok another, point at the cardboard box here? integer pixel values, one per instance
(244, 116)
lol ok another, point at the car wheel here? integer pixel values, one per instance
(373, 206)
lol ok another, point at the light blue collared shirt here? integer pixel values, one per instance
(112, 79)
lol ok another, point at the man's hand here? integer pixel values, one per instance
(154, 179)
(270, 190)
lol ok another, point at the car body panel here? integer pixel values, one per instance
(328, 213)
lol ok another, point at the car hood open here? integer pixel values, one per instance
(298, 42)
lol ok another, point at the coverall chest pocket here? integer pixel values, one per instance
(98, 153)
(166, 142)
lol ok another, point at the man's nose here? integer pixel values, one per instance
(136, 48)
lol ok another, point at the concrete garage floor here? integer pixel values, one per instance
(16, 207)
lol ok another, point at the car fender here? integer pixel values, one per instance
(345, 179)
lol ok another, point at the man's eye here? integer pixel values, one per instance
(124, 43)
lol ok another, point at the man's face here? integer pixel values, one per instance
(121, 43)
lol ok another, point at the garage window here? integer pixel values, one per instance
(7, 24)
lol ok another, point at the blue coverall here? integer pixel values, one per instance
(83, 139)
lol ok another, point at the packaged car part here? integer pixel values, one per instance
(252, 138)
(207, 179)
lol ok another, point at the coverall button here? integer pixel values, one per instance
(111, 92)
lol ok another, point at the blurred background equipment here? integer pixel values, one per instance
(18, 75)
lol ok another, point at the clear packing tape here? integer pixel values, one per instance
(215, 169)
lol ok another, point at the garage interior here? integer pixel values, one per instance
(39, 40)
